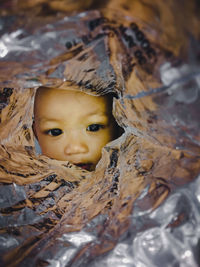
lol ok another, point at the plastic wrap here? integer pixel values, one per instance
(140, 207)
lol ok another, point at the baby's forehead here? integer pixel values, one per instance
(49, 98)
(46, 93)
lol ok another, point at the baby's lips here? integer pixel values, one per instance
(85, 166)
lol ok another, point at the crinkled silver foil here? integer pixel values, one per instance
(167, 234)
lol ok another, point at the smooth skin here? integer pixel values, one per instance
(72, 125)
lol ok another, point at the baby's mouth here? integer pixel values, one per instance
(85, 166)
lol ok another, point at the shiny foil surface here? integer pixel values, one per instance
(140, 207)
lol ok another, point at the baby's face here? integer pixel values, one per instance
(73, 126)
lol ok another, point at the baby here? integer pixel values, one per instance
(73, 126)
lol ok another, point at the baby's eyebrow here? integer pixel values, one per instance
(43, 120)
(96, 113)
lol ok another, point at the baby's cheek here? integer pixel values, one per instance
(95, 146)
(46, 148)
(107, 135)
(101, 142)
(49, 149)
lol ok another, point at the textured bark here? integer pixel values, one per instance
(158, 151)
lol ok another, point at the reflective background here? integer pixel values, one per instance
(140, 207)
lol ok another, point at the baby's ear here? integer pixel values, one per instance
(33, 127)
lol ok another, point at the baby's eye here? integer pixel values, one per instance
(94, 127)
(54, 132)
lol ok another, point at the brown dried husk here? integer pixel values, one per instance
(145, 156)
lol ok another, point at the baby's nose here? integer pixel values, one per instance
(75, 146)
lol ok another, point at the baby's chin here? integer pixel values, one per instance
(86, 166)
